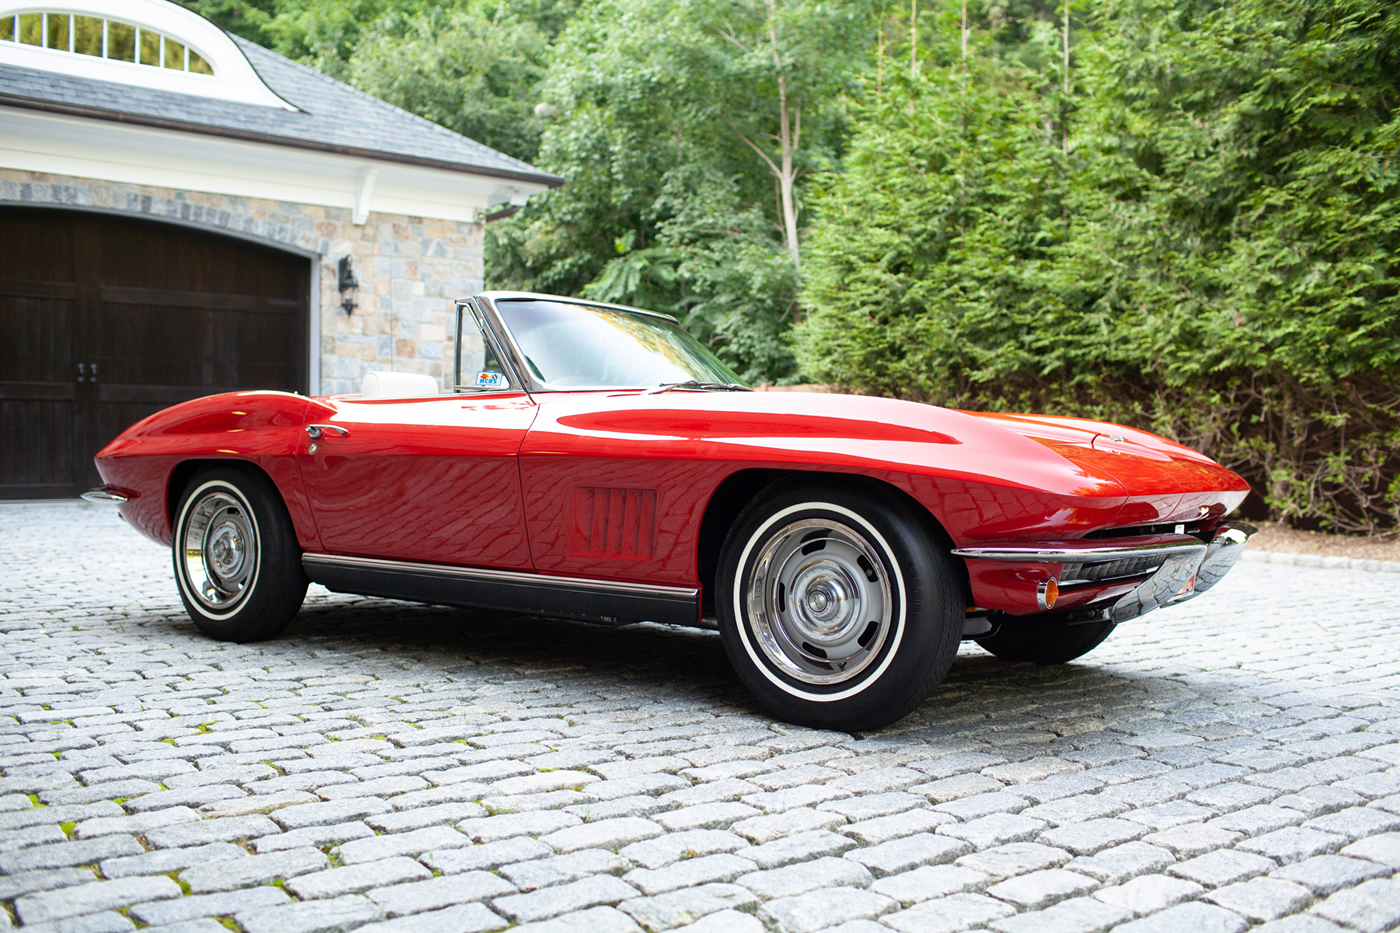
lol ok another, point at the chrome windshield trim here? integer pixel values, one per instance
(1066, 555)
(103, 494)
(503, 576)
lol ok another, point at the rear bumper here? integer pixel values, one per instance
(1120, 580)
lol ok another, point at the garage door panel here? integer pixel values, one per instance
(183, 338)
(40, 463)
(36, 335)
(163, 313)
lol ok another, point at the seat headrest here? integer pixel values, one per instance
(398, 385)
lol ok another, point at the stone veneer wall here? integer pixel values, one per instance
(409, 268)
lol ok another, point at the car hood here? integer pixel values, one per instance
(1062, 455)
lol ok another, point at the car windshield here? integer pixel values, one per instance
(570, 345)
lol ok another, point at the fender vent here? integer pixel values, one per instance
(611, 522)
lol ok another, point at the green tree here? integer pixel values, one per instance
(1215, 257)
(685, 130)
(471, 70)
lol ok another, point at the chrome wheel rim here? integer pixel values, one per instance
(221, 550)
(819, 602)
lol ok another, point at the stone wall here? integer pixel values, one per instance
(409, 268)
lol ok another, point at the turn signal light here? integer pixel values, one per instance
(1047, 592)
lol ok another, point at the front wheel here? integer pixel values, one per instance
(237, 561)
(837, 609)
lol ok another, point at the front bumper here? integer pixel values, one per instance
(1176, 569)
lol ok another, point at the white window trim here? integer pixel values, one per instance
(234, 78)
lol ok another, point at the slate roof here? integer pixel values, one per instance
(333, 117)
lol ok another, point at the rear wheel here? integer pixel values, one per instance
(837, 609)
(1045, 642)
(237, 562)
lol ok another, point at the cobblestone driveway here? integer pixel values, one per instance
(388, 767)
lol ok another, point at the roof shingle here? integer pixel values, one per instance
(332, 117)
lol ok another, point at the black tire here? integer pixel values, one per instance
(822, 542)
(1045, 641)
(237, 562)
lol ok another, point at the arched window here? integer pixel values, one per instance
(102, 38)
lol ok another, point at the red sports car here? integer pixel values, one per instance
(596, 462)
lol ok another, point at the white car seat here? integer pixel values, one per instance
(398, 385)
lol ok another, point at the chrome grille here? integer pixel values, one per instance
(1110, 570)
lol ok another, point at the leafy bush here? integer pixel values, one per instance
(1212, 255)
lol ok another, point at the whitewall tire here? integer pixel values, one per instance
(237, 562)
(837, 607)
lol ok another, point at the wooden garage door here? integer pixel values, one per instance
(104, 320)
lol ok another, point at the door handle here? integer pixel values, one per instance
(317, 430)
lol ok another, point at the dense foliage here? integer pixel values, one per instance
(1212, 253)
(1193, 227)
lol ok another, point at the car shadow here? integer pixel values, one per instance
(677, 665)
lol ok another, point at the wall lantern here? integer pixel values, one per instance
(348, 286)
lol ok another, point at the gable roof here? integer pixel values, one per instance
(330, 116)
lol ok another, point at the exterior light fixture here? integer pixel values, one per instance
(348, 286)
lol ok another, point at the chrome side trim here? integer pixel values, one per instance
(103, 494)
(1064, 555)
(503, 576)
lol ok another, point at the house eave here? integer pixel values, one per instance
(155, 122)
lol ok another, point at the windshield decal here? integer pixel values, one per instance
(489, 380)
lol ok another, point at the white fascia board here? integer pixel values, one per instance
(118, 152)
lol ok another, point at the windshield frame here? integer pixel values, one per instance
(486, 301)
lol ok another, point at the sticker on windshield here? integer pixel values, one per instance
(489, 380)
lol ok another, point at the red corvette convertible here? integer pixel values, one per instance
(595, 462)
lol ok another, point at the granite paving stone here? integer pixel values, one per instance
(164, 861)
(91, 898)
(900, 855)
(896, 825)
(598, 919)
(341, 913)
(352, 879)
(487, 856)
(1371, 906)
(541, 873)
(398, 899)
(798, 847)
(828, 907)
(191, 907)
(1327, 874)
(1196, 917)
(1261, 899)
(1383, 849)
(318, 836)
(661, 851)
(565, 898)
(465, 918)
(687, 906)
(949, 914)
(797, 879)
(1077, 915)
(689, 873)
(1039, 889)
(1293, 844)
(1147, 894)
(930, 881)
(1183, 776)
(256, 869)
(1221, 867)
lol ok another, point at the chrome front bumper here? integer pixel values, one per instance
(1180, 570)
